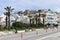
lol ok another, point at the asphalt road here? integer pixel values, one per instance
(55, 36)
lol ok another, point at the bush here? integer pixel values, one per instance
(48, 24)
(40, 25)
(1, 28)
(55, 25)
(20, 25)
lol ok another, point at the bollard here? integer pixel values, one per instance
(52, 29)
(57, 29)
(21, 36)
(37, 34)
(46, 30)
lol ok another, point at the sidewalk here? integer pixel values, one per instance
(11, 32)
(41, 31)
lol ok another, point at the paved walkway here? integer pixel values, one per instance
(12, 32)
(7, 33)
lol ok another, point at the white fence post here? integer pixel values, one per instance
(21, 36)
(37, 34)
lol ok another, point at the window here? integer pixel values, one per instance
(12, 21)
(50, 18)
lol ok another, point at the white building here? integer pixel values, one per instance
(22, 18)
(51, 17)
(2, 19)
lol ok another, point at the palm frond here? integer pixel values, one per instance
(5, 9)
(12, 9)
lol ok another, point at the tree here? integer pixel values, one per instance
(43, 15)
(36, 16)
(8, 11)
(36, 19)
(19, 13)
(30, 19)
(39, 16)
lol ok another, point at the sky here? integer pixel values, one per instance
(18, 5)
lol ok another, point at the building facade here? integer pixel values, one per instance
(51, 17)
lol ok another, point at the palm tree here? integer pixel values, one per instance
(43, 15)
(36, 16)
(36, 19)
(30, 19)
(39, 11)
(8, 11)
(5, 20)
(19, 13)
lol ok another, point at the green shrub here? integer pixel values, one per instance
(20, 25)
(1, 28)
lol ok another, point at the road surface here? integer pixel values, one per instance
(55, 36)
